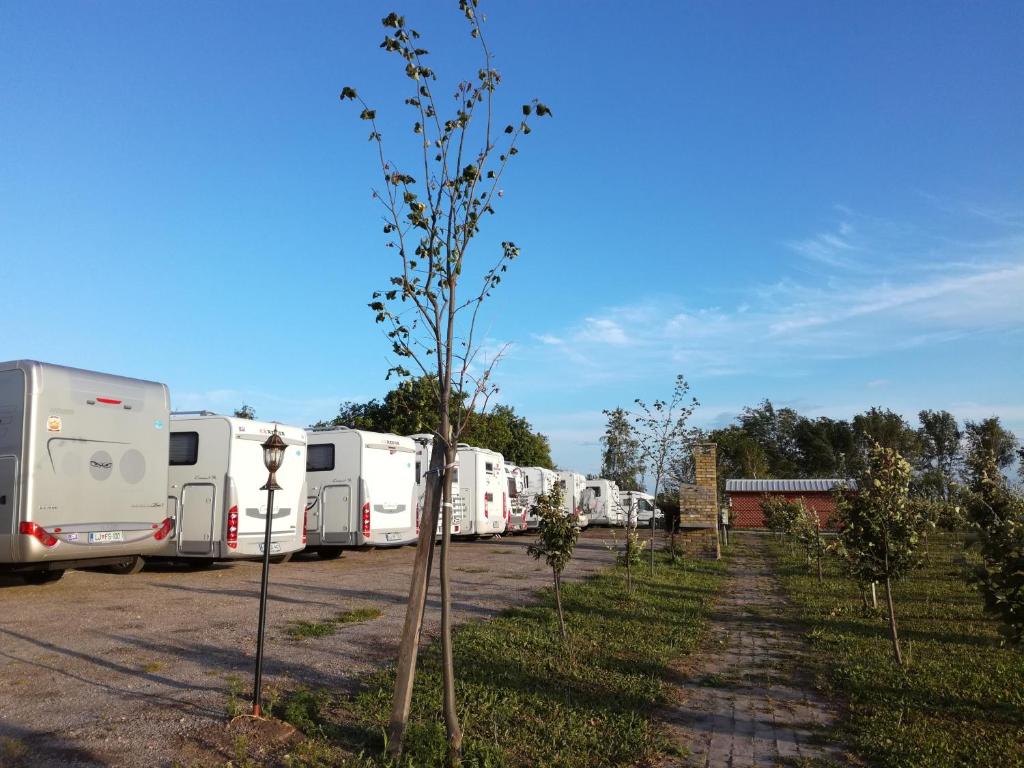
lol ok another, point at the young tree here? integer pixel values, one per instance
(780, 514)
(245, 412)
(989, 441)
(997, 516)
(620, 455)
(430, 320)
(661, 428)
(880, 530)
(556, 540)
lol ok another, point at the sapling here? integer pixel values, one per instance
(880, 530)
(556, 540)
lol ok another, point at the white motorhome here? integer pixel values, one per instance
(638, 508)
(573, 484)
(601, 502)
(215, 494)
(83, 469)
(424, 450)
(483, 488)
(362, 490)
(537, 481)
(518, 509)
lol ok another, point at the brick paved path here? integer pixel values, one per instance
(748, 700)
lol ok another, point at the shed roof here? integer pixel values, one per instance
(815, 485)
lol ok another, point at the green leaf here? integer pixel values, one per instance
(347, 93)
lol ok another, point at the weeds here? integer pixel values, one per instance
(301, 630)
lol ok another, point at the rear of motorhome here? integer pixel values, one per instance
(638, 508)
(83, 469)
(215, 491)
(517, 506)
(424, 450)
(362, 490)
(601, 502)
(573, 485)
(483, 488)
(537, 481)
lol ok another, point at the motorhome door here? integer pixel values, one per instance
(8, 499)
(338, 512)
(195, 522)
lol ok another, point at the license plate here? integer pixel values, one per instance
(392, 536)
(105, 537)
(275, 546)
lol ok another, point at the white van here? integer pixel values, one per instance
(601, 502)
(214, 489)
(424, 450)
(362, 490)
(83, 469)
(537, 481)
(518, 509)
(483, 488)
(573, 485)
(638, 508)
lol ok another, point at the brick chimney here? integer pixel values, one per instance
(698, 506)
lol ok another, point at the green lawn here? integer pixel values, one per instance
(524, 700)
(960, 703)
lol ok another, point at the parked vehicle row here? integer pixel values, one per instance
(95, 470)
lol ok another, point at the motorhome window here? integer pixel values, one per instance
(512, 492)
(184, 449)
(561, 484)
(320, 458)
(488, 467)
(597, 490)
(488, 496)
(418, 472)
(455, 474)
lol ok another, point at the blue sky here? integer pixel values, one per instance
(818, 203)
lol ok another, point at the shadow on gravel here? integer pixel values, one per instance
(24, 748)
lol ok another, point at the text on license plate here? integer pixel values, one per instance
(275, 546)
(392, 536)
(105, 537)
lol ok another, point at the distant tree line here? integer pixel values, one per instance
(411, 408)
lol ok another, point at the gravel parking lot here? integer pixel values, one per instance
(106, 670)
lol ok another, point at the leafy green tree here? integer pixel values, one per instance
(556, 540)
(739, 455)
(429, 315)
(245, 412)
(996, 513)
(824, 447)
(880, 530)
(989, 441)
(620, 451)
(889, 430)
(774, 429)
(502, 430)
(780, 514)
(941, 452)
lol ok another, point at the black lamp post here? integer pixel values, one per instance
(273, 456)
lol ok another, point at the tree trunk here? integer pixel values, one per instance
(558, 603)
(451, 714)
(409, 648)
(654, 530)
(817, 545)
(892, 624)
(629, 559)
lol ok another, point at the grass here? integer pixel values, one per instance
(524, 699)
(301, 630)
(959, 703)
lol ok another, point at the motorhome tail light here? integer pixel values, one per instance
(164, 530)
(504, 505)
(366, 519)
(305, 519)
(233, 527)
(108, 401)
(417, 518)
(38, 532)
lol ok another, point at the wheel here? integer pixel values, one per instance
(280, 559)
(329, 553)
(129, 567)
(43, 577)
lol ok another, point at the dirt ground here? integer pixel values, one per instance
(747, 699)
(137, 671)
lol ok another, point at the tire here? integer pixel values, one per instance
(329, 553)
(42, 577)
(280, 559)
(129, 567)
